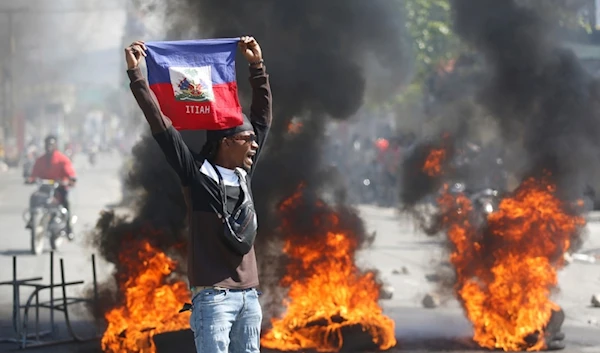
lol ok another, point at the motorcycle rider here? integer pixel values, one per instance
(54, 165)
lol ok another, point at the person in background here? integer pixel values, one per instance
(54, 165)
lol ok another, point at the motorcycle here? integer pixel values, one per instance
(92, 157)
(484, 201)
(46, 217)
(92, 150)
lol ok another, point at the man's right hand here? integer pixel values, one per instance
(134, 53)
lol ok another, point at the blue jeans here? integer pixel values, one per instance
(226, 321)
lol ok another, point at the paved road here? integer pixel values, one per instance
(397, 245)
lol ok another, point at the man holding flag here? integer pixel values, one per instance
(194, 83)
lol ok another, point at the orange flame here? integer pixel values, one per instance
(294, 127)
(433, 163)
(327, 292)
(151, 304)
(504, 283)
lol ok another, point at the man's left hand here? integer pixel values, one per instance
(251, 50)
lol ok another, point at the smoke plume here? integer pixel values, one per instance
(537, 93)
(318, 55)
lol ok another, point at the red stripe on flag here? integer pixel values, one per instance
(223, 113)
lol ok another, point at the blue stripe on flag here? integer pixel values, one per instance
(219, 53)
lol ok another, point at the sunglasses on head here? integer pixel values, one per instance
(246, 138)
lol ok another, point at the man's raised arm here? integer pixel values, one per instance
(139, 87)
(170, 141)
(261, 113)
(260, 110)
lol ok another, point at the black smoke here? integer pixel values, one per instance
(319, 56)
(538, 92)
(541, 101)
(538, 95)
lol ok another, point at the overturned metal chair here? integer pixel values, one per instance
(20, 320)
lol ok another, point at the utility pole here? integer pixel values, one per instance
(7, 78)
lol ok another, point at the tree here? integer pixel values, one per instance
(435, 45)
(429, 23)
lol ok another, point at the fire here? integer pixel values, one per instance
(327, 292)
(506, 271)
(151, 302)
(433, 163)
(294, 126)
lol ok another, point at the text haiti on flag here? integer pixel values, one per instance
(194, 82)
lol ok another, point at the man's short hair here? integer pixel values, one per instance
(50, 138)
(210, 150)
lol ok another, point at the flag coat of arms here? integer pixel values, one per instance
(194, 82)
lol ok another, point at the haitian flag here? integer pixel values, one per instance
(194, 82)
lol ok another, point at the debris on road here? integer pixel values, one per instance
(386, 292)
(433, 277)
(443, 273)
(402, 271)
(596, 300)
(430, 301)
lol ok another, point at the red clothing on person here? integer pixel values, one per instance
(54, 166)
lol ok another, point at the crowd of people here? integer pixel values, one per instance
(370, 162)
